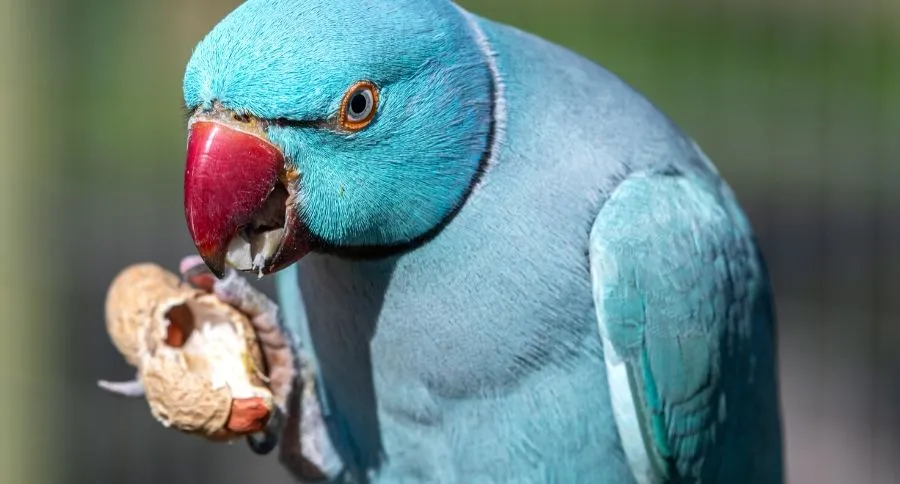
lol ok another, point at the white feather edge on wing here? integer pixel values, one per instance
(603, 267)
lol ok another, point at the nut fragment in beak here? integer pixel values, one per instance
(198, 359)
(255, 245)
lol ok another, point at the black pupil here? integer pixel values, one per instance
(358, 104)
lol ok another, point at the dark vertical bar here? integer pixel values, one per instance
(886, 416)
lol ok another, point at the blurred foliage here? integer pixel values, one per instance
(758, 86)
(26, 359)
(790, 77)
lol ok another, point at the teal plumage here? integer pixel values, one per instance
(521, 271)
(689, 337)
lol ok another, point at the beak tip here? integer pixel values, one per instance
(215, 261)
(218, 272)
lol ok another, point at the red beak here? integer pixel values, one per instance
(232, 180)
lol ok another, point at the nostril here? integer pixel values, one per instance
(181, 325)
(241, 118)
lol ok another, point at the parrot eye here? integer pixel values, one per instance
(359, 105)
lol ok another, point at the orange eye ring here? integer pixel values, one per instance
(359, 106)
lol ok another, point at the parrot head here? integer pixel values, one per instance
(354, 127)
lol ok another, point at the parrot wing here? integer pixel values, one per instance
(676, 282)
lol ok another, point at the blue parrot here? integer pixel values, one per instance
(495, 261)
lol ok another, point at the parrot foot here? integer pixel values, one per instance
(306, 449)
(263, 313)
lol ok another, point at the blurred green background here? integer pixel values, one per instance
(797, 101)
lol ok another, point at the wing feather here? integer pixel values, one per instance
(677, 281)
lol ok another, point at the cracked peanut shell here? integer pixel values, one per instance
(198, 358)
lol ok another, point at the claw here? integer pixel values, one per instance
(130, 389)
(267, 440)
(263, 445)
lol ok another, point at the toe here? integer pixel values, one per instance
(195, 272)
